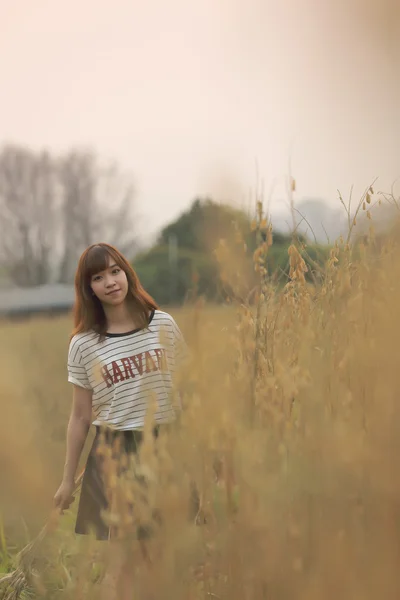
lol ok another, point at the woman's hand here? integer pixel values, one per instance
(64, 495)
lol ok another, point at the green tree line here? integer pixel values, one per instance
(182, 262)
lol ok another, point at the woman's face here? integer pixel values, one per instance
(111, 285)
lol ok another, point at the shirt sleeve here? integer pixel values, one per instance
(76, 369)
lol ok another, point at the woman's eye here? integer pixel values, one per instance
(96, 278)
(116, 271)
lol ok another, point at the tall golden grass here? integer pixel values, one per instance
(290, 431)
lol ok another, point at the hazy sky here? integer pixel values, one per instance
(188, 94)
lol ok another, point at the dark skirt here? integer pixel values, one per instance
(93, 498)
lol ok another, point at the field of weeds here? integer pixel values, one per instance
(289, 431)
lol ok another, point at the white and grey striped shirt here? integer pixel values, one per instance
(127, 371)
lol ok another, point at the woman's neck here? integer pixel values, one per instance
(119, 318)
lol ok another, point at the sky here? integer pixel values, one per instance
(209, 97)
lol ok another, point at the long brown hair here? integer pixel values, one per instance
(88, 311)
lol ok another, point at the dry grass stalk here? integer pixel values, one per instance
(291, 454)
(14, 584)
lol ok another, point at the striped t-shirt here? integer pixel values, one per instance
(127, 371)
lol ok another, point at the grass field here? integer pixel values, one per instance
(296, 400)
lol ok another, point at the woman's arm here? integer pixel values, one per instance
(78, 428)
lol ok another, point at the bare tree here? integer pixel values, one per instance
(97, 206)
(78, 212)
(27, 214)
(52, 208)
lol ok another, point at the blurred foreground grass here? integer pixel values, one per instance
(290, 430)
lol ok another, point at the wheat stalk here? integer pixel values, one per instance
(15, 583)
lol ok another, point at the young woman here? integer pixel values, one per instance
(122, 351)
